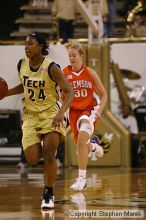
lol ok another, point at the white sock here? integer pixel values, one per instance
(82, 173)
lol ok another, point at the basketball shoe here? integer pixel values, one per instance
(47, 200)
(80, 184)
(98, 149)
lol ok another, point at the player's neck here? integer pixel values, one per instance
(77, 68)
(36, 62)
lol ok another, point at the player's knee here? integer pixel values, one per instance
(33, 161)
(86, 127)
(85, 131)
(32, 156)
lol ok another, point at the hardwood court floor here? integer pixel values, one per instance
(108, 189)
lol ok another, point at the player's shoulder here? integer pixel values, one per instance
(19, 64)
(89, 69)
(66, 69)
(92, 72)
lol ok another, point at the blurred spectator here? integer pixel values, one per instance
(138, 28)
(65, 12)
(108, 11)
(128, 120)
(110, 23)
(99, 8)
(104, 8)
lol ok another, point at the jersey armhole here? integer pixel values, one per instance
(19, 65)
(49, 68)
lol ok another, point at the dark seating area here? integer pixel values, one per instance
(18, 18)
(10, 11)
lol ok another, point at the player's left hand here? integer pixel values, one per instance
(58, 120)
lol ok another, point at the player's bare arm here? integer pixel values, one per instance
(101, 92)
(57, 76)
(15, 90)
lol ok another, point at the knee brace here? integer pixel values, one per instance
(86, 127)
